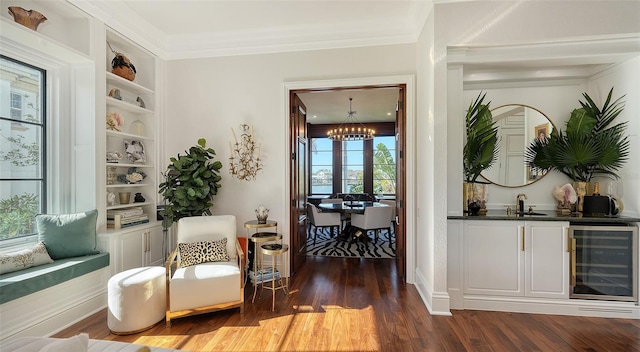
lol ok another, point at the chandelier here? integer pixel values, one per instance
(351, 129)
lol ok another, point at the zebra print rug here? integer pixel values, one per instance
(340, 247)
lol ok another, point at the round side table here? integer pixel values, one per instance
(275, 250)
(258, 239)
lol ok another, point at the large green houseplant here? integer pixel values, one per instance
(590, 146)
(481, 145)
(191, 181)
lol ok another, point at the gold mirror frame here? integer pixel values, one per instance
(517, 124)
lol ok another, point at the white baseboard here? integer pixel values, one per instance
(437, 302)
(574, 307)
(46, 312)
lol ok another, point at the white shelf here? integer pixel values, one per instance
(127, 135)
(128, 185)
(127, 106)
(129, 165)
(130, 205)
(126, 84)
(131, 111)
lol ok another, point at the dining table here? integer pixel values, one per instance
(349, 232)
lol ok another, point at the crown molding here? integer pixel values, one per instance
(118, 16)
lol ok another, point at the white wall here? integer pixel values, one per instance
(430, 147)
(625, 80)
(208, 97)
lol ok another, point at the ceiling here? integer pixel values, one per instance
(179, 29)
(183, 29)
(370, 105)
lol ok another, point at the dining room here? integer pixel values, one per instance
(352, 171)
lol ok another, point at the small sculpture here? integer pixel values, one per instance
(30, 19)
(114, 120)
(138, 198)
(115, 93)
(111, 199)
(140, 102)
(262, 213)
(114, 156)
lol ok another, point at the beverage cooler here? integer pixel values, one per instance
(604, 263)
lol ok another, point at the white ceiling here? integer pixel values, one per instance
(178, 29)
(370, 105)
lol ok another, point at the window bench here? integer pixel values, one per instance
(27, 281)
(42, 300)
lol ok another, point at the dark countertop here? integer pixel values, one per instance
(550, 215)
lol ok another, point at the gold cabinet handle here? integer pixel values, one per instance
(522, 237)
(566, 230)
(573, 262)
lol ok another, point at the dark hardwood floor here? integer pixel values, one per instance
(341, 304)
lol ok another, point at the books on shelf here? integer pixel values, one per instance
(264, 275)
(117, 219)
(125, 212)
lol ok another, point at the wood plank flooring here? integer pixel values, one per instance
(346, 304)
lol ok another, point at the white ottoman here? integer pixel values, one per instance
(136, 299)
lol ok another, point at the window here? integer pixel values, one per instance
(22, 142)
(321, 166)
(384, 165)
(16, 106)
(352, 167)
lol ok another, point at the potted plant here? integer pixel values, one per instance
(191, 181)
(590, 146)
(480, 148)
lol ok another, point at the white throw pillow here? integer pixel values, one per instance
(26, 258)
(78, 343)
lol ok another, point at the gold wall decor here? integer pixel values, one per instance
(245, 161)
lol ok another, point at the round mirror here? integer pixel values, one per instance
(517, 125)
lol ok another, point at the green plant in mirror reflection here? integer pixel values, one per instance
(481, 146)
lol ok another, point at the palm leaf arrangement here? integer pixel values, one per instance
(481, 147)
(591, 146)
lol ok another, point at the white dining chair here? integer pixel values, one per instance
(343, 217)
(320, 219)
(374, 218)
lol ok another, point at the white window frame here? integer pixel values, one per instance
(71, 136)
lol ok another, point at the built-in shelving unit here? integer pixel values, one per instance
(134, 136)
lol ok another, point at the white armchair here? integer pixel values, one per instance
(319, 219)
(205, 278)
(374, 218)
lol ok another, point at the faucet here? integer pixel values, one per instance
(520, 202)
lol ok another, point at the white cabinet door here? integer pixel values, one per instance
(153, 254)
(131, 250)
(547, 259)
(493, 258)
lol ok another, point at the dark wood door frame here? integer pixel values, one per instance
(400, 166)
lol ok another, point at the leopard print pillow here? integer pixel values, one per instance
(201, 252)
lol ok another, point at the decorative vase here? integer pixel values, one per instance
(138, 198)
(474, 196)
(28, 18)
(467, 196)
(121, 66)
(124, 197)
(262, 213)
(582, 189)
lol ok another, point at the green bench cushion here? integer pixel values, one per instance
(24, 282)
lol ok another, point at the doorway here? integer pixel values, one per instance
(298, 142)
